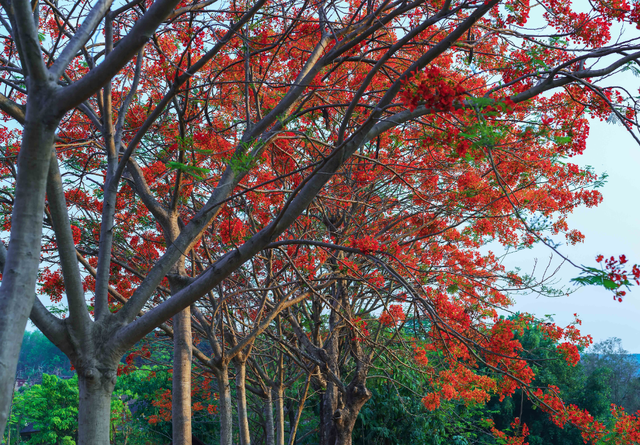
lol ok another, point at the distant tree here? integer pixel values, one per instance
(587, 390)
(51, 408)
(624, 376)
(38, 355)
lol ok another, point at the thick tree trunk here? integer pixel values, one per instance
(94, 410)
(268, 416)
(181, 395)
(18, 288)
(343, 435)
(344, 422)
(225, 411)
(344, 417)
(182, 354)
(340, 409)
(241, 394)
(329, 407)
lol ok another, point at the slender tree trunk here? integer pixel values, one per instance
(268, 416)
(280, 414)
(226, 407)
(20, 271)
(293, 426)
(94, 410)
(241, 394)
(181, 395)
(182, 344)
(331, 396)
(295, 420)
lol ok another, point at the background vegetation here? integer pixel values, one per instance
(48, 402)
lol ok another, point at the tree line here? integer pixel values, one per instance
(141, 413)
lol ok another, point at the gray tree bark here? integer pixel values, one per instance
(181, 391)
(268, 416)
(344, 418)
(94, 411)
(225, 409)
(18, 289)
(241, 396)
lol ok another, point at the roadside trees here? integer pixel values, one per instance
(177, 162)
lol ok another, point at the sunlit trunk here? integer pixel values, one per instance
(280, 414)
(241, 394)
(181, 391)
(225, 409)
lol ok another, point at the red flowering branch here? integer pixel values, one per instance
(612, 276)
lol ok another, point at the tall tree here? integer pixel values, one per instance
(45, 103)
(624, 371)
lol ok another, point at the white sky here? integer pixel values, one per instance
(610, 229)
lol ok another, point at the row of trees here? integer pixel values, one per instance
(294, 185)
(141, 414)
(39, 356)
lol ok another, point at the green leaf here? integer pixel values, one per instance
(481, 101)
(561, 140)
(196, 172)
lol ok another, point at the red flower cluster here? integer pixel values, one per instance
(130, 365)
(77, 234)
(521, 432)
(52, 284)
(618, 274)
(367, 244)
(200, 391)
(420, 356)
(432, 89)
(360, 328)
(626, 429)
(570, 352)
(634, 16)
(392, 317)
